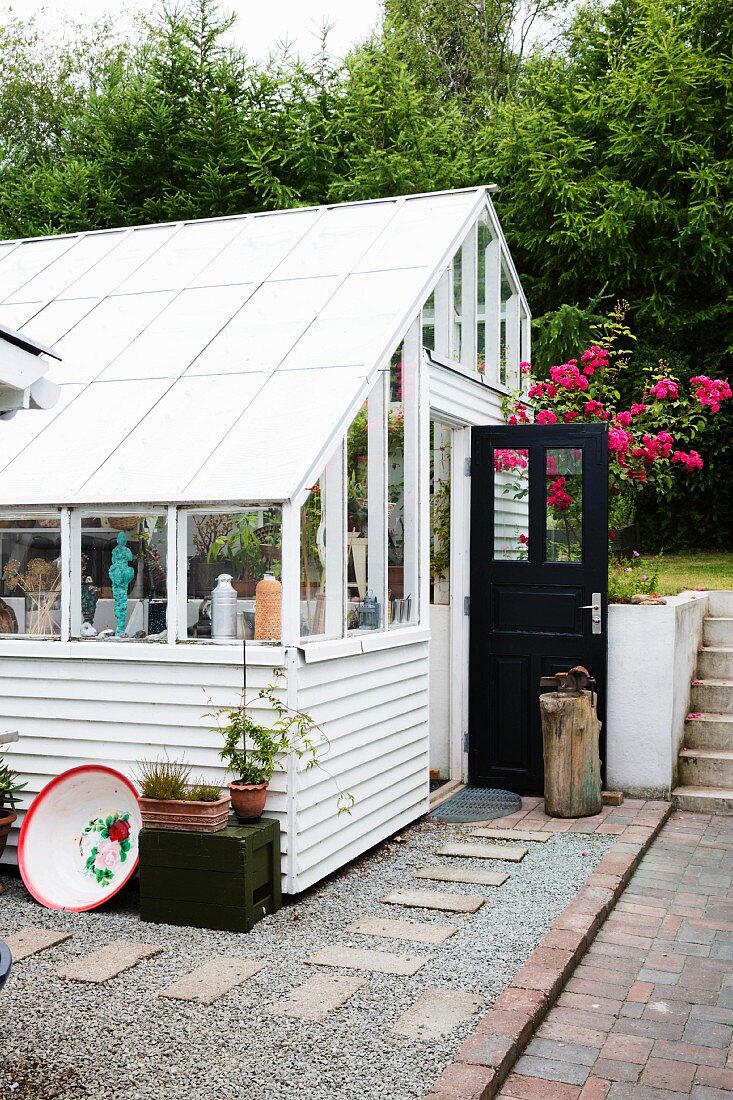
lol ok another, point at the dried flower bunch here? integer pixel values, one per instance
(41, 582)
(40, 576)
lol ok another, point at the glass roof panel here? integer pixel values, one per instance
(186, 252)
(262, 333)
(178, 418)
(337, 241)
(74, 262)
(23, 263)
(176, 336)
(117, 265)
(254, 254)
(106, 331)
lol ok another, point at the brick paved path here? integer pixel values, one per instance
(648, 1013)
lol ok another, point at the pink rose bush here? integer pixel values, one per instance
(648, 442)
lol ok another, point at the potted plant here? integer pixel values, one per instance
(169, 800)
(206, 564)
(10, 790)
(251, 750)
(241, 546)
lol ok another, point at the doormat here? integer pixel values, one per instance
(477, 804)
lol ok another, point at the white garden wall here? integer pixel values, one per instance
(652, 656)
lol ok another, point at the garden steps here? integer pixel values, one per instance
(704, 800)
(720, 603)
(712, 696)
(710, 767)
(715, 663)
(717, 631)
(706, 761)
(710, 731)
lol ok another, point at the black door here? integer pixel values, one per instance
(539, 562)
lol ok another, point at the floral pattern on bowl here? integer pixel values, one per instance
(104, 846)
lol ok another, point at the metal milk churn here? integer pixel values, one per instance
(224, 609)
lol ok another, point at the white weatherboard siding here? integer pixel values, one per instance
(374, 709)
(72, 710)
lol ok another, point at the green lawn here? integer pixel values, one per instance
(681, 571)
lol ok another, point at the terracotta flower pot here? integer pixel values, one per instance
(179, 813)
(7, 817)
(248, 800)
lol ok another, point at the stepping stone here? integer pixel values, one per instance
(411, 930)
(461, 874)
(483, 851)
(29, 941)
(359, 958)
(108, 961)
(210, 981)
(513, 834)
(436, 1013)
(432, 899)
(316, 998)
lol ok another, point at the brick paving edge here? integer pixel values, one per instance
(485, 1059)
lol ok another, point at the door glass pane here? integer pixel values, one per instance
(564, 482)
(511, 505)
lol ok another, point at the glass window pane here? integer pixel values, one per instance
(246, 547)
(506, 294)
(363, 610)
(428, 323)
(564, 480)
(123, 576)
(30, 553)
(402, 603)
(440, 464)
(485, 238)
(457, 313)
(313, 562)
(511, 505)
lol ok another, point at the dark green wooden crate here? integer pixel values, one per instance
(227, 880)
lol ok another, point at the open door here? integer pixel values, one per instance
(539, 585)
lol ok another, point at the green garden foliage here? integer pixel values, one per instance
(609, 139)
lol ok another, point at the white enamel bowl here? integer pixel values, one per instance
(78, 842)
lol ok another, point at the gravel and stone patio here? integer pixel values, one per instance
(389, 1036)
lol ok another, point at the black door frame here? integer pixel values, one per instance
(487, 575)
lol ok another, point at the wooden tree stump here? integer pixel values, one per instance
(570, 730)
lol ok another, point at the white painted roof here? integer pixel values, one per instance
(213, 360)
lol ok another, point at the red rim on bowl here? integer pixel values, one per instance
(95, 868)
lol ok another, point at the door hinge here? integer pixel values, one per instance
(467, 467)
(466, 605)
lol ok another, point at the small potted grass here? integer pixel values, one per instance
(170, 800)
(9, 797)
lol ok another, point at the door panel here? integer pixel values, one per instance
(539, 550)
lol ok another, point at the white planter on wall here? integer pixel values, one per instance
(652, 657)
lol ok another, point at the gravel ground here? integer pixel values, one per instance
(63, 1040)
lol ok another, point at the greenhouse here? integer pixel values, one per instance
(284, 399)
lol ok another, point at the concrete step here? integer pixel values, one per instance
(706, 768)
(715, 663)
(704, 800)
(710, 731)
(712, 695)
(717, 631)
(720, 603)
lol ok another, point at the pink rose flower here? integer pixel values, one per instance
(108, 856)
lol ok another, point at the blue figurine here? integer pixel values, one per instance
(120, 573)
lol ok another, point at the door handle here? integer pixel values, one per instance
(595, 609)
